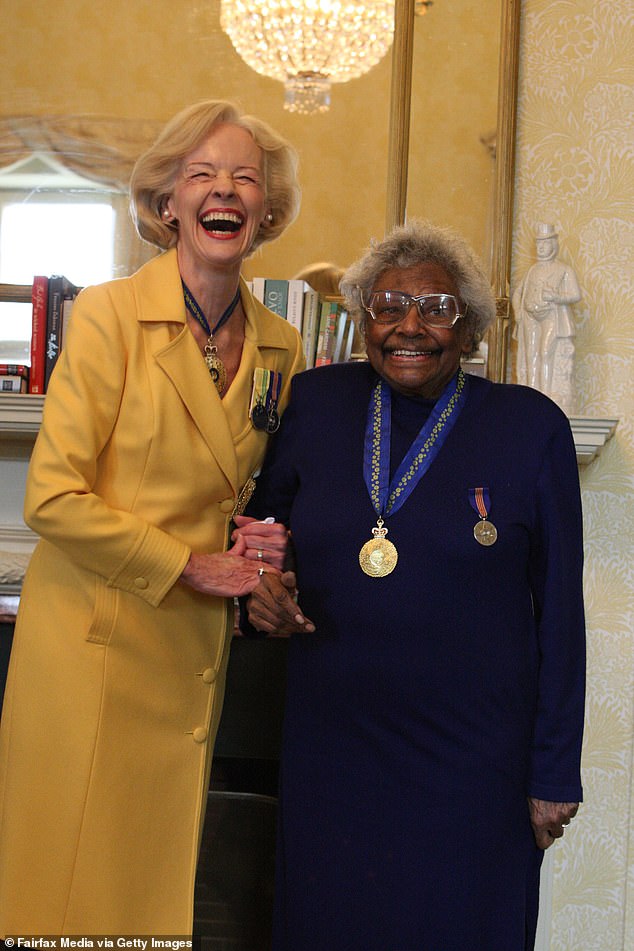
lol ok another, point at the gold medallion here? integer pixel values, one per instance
(378, 557)
(216, 367)
(485, 533)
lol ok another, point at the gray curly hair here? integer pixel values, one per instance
(421, 242)
(156, 170)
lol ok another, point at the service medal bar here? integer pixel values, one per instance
(265, 394)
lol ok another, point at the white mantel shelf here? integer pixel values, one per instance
(21, 415)
(590, 436)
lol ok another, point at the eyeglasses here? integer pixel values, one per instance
(435, 310)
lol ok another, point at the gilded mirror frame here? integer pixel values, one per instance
(398, 150)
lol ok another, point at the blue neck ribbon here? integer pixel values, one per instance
(388, 497)
(195, 310)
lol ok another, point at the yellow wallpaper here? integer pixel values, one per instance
(149, 58)
(574, 168)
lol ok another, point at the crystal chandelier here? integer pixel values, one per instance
(309, 44)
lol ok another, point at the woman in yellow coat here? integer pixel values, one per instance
(156, 418)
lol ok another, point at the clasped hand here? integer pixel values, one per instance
(260, 541)
(273, 608)
(258, 548)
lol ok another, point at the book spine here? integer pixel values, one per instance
(12, 383)
(70, 294)
(327, 326)
(309, 325)
(342, 321)
(276, 296)
(13, 369)
(53, 326)
(347, 351)
(258, 288)
(295, 306)
(39, 300)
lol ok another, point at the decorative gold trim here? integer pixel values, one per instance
(400, 107)
(498, 335)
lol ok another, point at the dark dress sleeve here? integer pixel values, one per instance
(275, 489)
(556, 569)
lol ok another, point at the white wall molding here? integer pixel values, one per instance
(590, 436)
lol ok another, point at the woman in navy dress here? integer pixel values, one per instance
(436, 666)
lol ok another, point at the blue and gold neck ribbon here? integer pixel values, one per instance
(195, 310)
(387, 497)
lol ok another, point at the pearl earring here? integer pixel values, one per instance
(166, 213)
(269, 217)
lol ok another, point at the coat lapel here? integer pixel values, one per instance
(181, 362)
(160, 300)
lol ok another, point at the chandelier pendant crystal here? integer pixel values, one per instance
(309, 44)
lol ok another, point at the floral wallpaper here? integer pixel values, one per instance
(575, 169)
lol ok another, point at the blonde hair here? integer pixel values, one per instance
(421, 242)
(155, 172)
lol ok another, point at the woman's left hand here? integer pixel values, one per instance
(549, 818)
(260, 541)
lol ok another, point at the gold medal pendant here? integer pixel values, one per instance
(485, 533)
(215, 366)
(378, 557)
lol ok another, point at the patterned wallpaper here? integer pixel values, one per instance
(575, 169)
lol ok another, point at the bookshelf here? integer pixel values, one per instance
(21, 413)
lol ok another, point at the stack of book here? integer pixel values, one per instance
(52, 300)
(14, 378)
(323, 322)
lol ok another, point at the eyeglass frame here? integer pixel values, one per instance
(417, 300)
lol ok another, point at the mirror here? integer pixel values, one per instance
(131, 68)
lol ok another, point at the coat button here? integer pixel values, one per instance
(200, 734)
(227, 505)
(209, 675)
(141, 583)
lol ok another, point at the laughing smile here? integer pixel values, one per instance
(221, 222)
(411, 354)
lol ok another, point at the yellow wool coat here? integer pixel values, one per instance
(117, 670)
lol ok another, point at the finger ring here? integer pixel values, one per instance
(260, 571)
(260, 554)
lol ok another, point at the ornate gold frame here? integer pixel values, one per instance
(398, 150)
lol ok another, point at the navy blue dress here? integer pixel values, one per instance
(429, 703)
